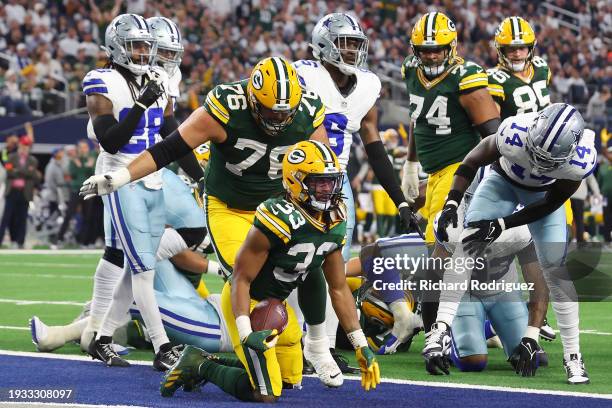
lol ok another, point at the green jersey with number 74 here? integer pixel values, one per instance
(443, 131)
(245, 170)
(517, 95)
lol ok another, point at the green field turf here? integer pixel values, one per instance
(68, 278)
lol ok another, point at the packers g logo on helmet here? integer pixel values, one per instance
(312, 176)
(434, 31)
(514, 32)
(274, 94)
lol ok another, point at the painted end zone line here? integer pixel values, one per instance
(353, 378)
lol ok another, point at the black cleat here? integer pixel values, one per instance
(307, 368)
(102, 349)
(343, 363)
(167, 356)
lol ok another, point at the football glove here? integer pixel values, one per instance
(152, 90)
(525, 358)
(486, 231)
(370, 371)
(261, 340)
(448, 216)
(410, 181)
(409, 220)
(435, 352)
(103, 184)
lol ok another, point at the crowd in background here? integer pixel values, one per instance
(47, 47)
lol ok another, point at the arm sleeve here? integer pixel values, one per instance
(188, 163)
(553, 199)
(383, 169)
(113, 135)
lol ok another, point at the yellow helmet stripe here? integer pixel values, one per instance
(282, 79)
(328, 155)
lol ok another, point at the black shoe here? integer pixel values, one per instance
(343, 363)
(307, 368)
(167, 356)
(102, 350)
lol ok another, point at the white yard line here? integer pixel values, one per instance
(45, 264)
(14, 328)
(23, 302)
(48, 276)
(58, 252)
(353, 378)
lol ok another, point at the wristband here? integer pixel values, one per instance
(402, 205)
(532, 332)
(243, 324)
(357, 339)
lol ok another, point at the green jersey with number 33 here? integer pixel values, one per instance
(443, 131)
(517, 95)
(246, 169)
(299, 245)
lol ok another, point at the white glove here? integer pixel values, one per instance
(104, 183)
(410, 181)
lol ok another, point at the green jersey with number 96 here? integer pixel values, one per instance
(443, 131)
(517, 95)
(299, 245)
(246, 169)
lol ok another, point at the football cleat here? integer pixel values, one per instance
(547, 332)
(185, 372)
(574, 367)
(45, 338)
(307, 368)
(342, 363)
(102, 349)
(87, 337)
(437, 348)
(325, 366)
(166, 359)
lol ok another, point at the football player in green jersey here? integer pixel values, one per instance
(450, 111)
(250, 124)
(292, 237)
(519, 83)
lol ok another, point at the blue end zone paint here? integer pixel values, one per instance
(92, 383)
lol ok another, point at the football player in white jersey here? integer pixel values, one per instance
(349, 92)
(130, 110)
(540, 160)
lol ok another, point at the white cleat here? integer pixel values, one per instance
(326, 368)
(494, 342)
(574, 367)
(45, 338)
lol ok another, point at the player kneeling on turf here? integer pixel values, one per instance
(292, 238)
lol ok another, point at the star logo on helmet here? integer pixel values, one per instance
(327, 22)
(576, 134)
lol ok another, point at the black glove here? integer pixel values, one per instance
(486, 232)
(151, 92)
(525, 357)
(447, 216)
(409, 220)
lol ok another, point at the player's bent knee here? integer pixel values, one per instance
(475, 363)
(114, 256)
(192, 236)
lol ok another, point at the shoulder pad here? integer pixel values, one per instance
(225, 98)
(496, 77)
(97, 81)
(539, 62)
(470, 76)
(272, 217)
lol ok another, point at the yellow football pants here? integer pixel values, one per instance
(383, 205)
(282, 363)
(438, 186)
(227, 228)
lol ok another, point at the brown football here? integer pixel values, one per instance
(269, 314)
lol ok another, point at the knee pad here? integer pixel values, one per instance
(463, 365)
(192, 236)
(114, 256)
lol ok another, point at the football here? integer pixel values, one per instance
(269, 314)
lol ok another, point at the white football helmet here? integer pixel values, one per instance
(129, 43)
(169, 47)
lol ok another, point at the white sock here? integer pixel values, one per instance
(405, 321)
(316, 340)
(568, 321)
(144, 296)
(450, 299)
(105, 279)
(213, 268)
(331, 322)
(122, 299)
(171, 244)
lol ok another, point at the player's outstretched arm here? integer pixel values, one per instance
(250, 259)
(383, 169)
(344, 306)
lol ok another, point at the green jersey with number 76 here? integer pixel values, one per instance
(443, 131)
(245, 170)
(516, 95)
